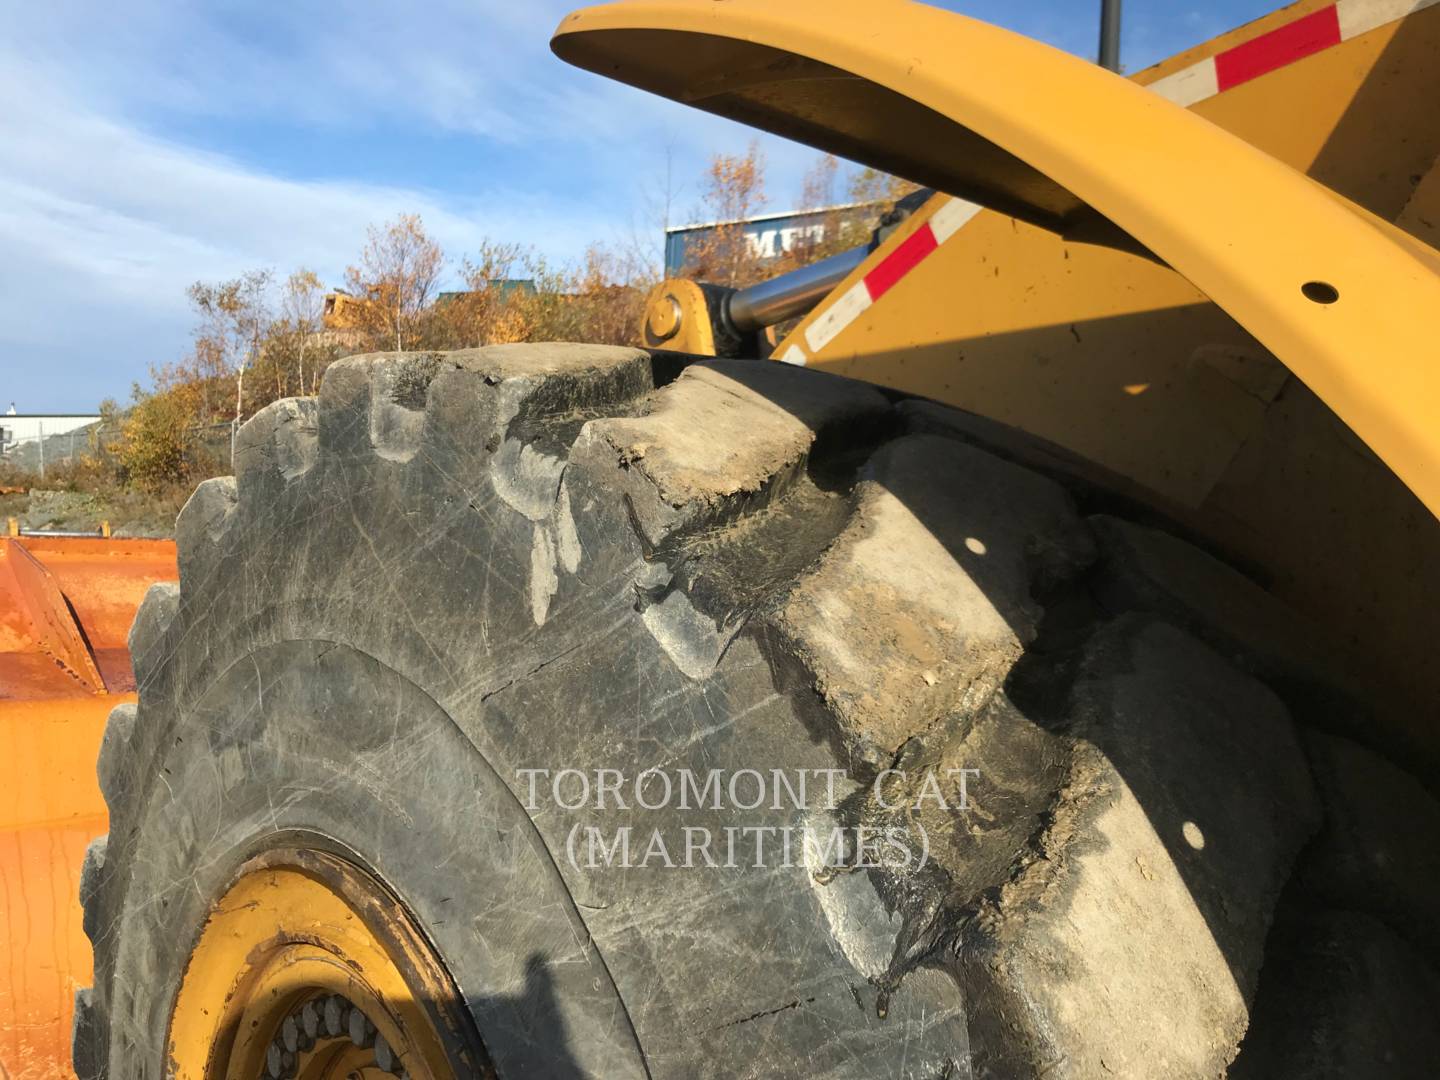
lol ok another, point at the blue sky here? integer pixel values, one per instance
(149, 144)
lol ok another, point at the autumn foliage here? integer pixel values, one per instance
(397, 273)
(258, 338)
(734, 191)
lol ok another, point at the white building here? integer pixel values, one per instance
(19, 428)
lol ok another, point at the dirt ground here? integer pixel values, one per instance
(129, 513)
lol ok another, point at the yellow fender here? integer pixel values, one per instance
(1344, 299)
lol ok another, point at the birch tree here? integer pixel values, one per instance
(396, 275)
(234, 316)
(302, 303)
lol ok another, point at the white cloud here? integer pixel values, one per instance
(109, 208)
(104, 227)
(104, 222)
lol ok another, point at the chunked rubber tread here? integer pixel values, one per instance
(87, 1055)
(282, 438)
(1342, 998)
(1146, 569)
(1138, 857)
(91, 873)
(152, 621)
(946, 622)
(454, 566)
(109, 768)
(382, 405)
(201, 526)
(723, 439)
(721, 462)
(925, 602)
(1378, 852)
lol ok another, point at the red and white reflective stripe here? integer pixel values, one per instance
(1296, 40)
(1284, 45)
(883, 276)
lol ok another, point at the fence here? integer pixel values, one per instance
(40, 453)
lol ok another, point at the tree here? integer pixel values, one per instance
(397, 273)
(838, 230)
(873, 186)
(734, 190)
(492, 310)
(302, 302)
(817, 188)
(234, 316)
(154, 437)
(657, 192)
(602, 301)
(609, 297)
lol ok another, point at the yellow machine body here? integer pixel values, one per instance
(1079, 343)
(1209, 279)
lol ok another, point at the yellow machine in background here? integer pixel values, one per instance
(1234, 392)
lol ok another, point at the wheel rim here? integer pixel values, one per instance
(308, 968)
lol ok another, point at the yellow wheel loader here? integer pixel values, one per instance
(1023, 671)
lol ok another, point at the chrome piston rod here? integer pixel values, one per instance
(791, 294)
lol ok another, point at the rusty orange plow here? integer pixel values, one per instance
(66, 604)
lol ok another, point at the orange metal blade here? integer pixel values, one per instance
(65, 611)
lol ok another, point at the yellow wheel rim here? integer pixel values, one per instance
(307, 968)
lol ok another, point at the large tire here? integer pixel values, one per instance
(458, 566)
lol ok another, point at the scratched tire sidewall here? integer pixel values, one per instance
(387, 607)
(297, 743)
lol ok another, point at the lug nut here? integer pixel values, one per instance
(311, 1017)
(384, 1056)
(335, 1009)
(361, 1030)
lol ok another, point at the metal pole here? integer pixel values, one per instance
(1110, 34)
(41, 444)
